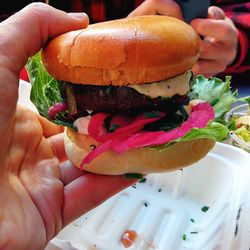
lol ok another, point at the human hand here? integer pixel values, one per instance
(38, 195)
(158, 7)
(218, 48)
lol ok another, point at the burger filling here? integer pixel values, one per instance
(123, 118)
(166, 95)
(169, 96)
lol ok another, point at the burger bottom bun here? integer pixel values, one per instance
(144, 160)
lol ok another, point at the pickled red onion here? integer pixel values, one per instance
(96, 125)
(201, 114)
(136, 125)
(56, 109)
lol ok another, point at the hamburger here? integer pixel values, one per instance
(125, 91)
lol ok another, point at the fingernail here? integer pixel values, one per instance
(78, 15)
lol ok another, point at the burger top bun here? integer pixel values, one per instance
(144, 160)
(132, 50)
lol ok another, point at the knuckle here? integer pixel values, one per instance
(227, 30)
(231, 56)
(37, 8)
(154, 2)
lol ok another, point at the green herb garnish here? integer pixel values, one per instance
(192, 220)
(184, 236)
(159, 190)
(109, 90)
(133, 176)
(114, 127)
(152, 114)
(204, 209)
(193, 232)
(183, 112)
(143, 180)
(232, 125)
(214, 101)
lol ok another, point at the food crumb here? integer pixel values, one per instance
(128, 238)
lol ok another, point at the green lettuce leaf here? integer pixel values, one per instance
(45, 90)
(213, 130)
(215, 91)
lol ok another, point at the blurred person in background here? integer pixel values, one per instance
(226, 31)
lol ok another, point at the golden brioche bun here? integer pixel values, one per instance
(144, 160)
(133, 50)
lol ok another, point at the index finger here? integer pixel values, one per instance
(220, 30)
(160, 7)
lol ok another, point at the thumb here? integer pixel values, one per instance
(21, 36)
(215, 12)
(24, 33)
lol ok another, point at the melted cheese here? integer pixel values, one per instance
(167, 88)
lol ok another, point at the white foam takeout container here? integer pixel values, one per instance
(166, 210)
(234, 139)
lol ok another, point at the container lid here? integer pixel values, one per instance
(205, 206)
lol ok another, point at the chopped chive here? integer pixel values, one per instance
(193, 232)
(204, 209)
(113, 127)
(159, 190)
(183, 112)
(143, 180)
(152, 114)
(108, 90)
(192, 220)
(214, 101)
(145, 204)
(184, 236)
(134, 186)
(133, 176)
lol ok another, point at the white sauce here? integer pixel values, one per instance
(82, 124)
(167, 88)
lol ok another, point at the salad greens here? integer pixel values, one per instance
(215, 91)
(45, 93)
(45, 90)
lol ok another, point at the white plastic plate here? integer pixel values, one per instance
(166, 210)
